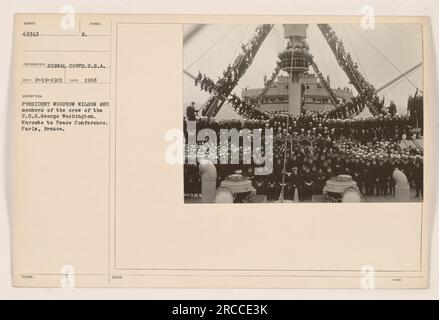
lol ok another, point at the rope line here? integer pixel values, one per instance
(212, 46)
(403, 32)
(355, 53)
(380, 53)
(319, 51)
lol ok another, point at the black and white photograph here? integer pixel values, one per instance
(313, 113)
(216, 153)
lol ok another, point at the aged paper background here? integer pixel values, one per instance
(146, 174)
(135, 230)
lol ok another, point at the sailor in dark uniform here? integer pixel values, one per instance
(357, 172)
(296, 183)
(190, 112)
(308, 181)
(369, 178)
(382, 178)
(418, 173)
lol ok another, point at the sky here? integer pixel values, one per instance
(380, 53)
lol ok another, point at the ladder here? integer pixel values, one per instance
(223, 89)
(356, 78)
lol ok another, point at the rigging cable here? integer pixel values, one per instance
(230, 64)
(380, 53)
(320, 53)
(262, 71)
(240, 43)
(242, 37)
(355, 53)
(212, 46)
(403, 32)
